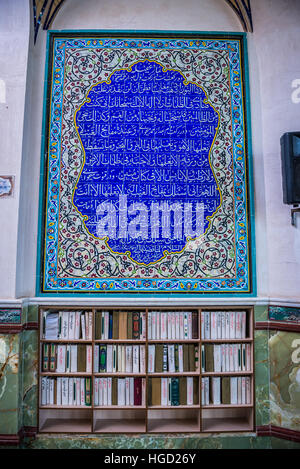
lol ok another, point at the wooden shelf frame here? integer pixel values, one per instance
(177, 419)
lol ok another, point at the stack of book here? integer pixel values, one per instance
(222, 358)
(120, 325)
(119, 391)
(178, 325)
(173, 391)
(66, 358)
(67, 325)
(62, 391)
(227, 390)
(223, 325)
(173, 358)
(119, 358)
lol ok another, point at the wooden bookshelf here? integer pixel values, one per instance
(199, 417)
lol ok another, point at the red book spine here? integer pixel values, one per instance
(136, 325)
(137, 391)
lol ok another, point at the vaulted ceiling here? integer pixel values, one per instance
(44, 12)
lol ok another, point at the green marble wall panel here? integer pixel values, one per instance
(9, 384)
(279, 443)
(285, 379)
(30, 378)
(209, 441)
(261, 367)
(261, 313)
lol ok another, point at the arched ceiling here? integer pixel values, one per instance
(44, 12)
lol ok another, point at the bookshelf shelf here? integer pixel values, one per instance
(103, 398)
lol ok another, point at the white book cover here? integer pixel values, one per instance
(213, 325)
(164, 391)
(82, 391)
(105, 400)
(171, 358)
(136, 359)
(149, 326)
(128, 358)
(51, 391)
(78, 383)
(44, 390)
(203, 392)
(238, 325)
(77, 325)
(158, 336)
(61, 359)
(202, 325)
(48, 391)
(96, 359)
(103, 325)
(244, 317)
(169, 325)
(151, 358)
(206, 390)
(231, 358)
(123, 349)
(223, 358)
(173, 320)
(180, 357)
(181, 325)
(216, 388)
(189, 390)
(121, 391)
(190, 325)
(223, 325)
(73, 367)
(177, 325)
(243, 390)
(96, 391)
(72, 325)
(119, 360)
(203, 358)
(227, 325)
(90, 336)
(83, 329)
(131, 392)
(89, 352)
(207, 320)
(109, 358)
(239, 386)
(219, 324)
(101, 391)
(71, 391)
(248, 357)
(143, 318)
(185, 325)
(233, 390)
(65, 391)
(164, 326)
(227, 363)
(109, 391)
(235, 357)
(232, 325)
(127, 392)
(142, 358)
(87, 325)
(106, 325)
(58, 390)
(169, 390)
(153, 331)
(217, 358)
(65, 325)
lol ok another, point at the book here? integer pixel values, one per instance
(209, 357)
(136, 325)
(51, 325)
(115, 325)
(138, 391)
(158, 358)
(46, 358)
(194, 325)
(191, 348)
(226, 390)
(182, 391)
(175, 391)
(151, 358)
(123, 325)
(190, 390)
(156, 391)
(164, 391)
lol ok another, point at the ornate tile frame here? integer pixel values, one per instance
(233, 44)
